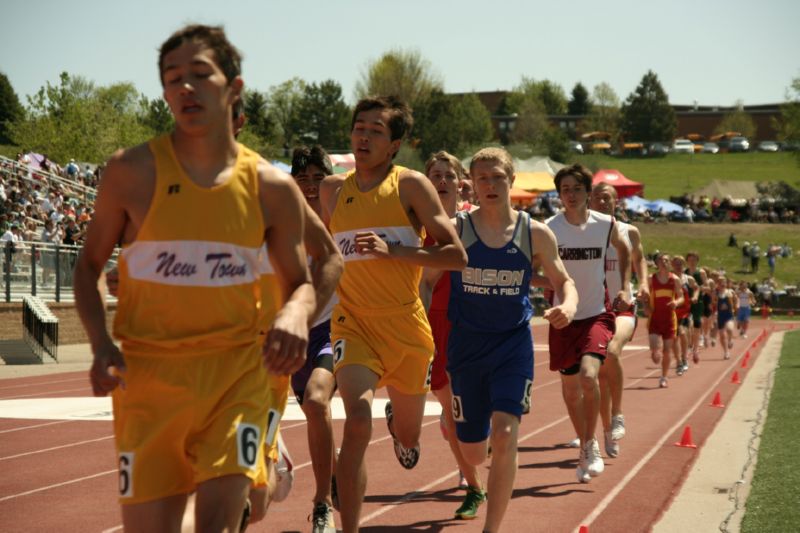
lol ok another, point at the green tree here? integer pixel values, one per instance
(646, 113)
(284, 108)
(605, 113)
(549, 94)
(324, 117)
(401, 73)
(10, 107)
(737, 120)
(789, 124)
(77, 119)
(454, 123)
(259, 120)
(579, 103)
(156, 116)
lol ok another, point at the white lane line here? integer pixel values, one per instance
(41, 383)
(56, 485)
(112, 529)
(43, 394)
(35, 426)
(55, 448)
(413, 494)
(598, 510)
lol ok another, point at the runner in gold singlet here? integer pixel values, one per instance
(190, 406)
(378, 215)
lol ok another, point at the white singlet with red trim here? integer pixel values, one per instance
(613, 280)
(582, 249)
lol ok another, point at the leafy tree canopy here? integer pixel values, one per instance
(646, 113)
(401, 73)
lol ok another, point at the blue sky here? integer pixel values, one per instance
(712, 52)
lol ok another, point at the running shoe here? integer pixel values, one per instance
(284, 470)
(469, 507)
(679, 369)
(617, 426)
(322, 519)
(612, 446)
(713, 342)
(726, 355)
(662, 383)
(407, 457)
(582, 472)
(591, 451)
(574, 443)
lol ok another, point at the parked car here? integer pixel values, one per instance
(657, 149)
(683, 146)
(575, 146)
(739, 144)
(710, 148)
(768, 146)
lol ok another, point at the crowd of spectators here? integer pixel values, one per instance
(43, 203)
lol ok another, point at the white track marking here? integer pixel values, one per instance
(40, 383)
(35, 426)
(598, 510)
(39, 395)
(413, 494)
(44, 450)
(56, 485)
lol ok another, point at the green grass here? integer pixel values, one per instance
(9, 150)
(773, 501)
(677, 174)
(710, 241)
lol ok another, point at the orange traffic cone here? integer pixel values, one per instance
(717, 401)
(747, 354)
(686, 439)
(735, 378)
(583, 529)
(744, 363)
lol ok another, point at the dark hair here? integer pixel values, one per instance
(400, 121)
(582, 174)
(227, 56)
(303, 157)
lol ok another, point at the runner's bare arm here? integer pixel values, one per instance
(677, 293)
(420, 199)
(283, 208)
(623, 298)
(545, 248)
(329, 194)
(105, 231)
(326, 261)
(639, 264)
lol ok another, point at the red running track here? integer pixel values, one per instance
(60, 475)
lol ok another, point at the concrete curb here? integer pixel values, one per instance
(714, 494)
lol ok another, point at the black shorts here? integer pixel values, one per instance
(574, 369)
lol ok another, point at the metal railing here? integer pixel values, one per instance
(40, 269)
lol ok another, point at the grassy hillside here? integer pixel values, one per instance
(677, 174)
(710, 241)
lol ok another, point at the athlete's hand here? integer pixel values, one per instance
(102, 379)
(284, 350)
(643, 295)
(112, 281)
(370, 243)
(559, 316)
(622, 302)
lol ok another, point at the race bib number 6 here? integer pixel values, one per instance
(247, 438)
